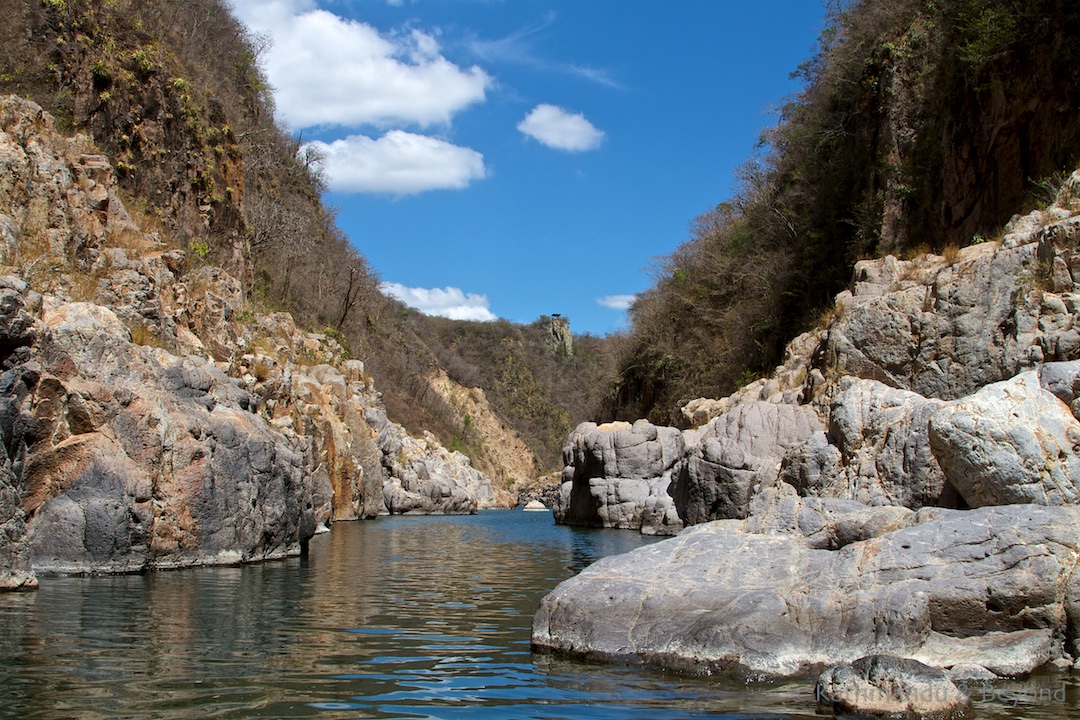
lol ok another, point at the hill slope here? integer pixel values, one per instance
(172, 94)
(922, 126)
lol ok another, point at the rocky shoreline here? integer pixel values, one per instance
(149, 419)
(907, 484)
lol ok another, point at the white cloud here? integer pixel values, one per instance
(398, 163)
(617, 302)
(449, 302)
(327, 70)
(559, 129)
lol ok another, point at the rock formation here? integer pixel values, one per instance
(148, 418)
(907, 483)
(881, 685)
(559, 339)
(617, 476)
(805, 584)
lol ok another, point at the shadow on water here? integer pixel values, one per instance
(415, 617)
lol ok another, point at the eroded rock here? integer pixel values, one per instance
(1011, 442)
(735, 454)
(887, 686)
(954, 587)
(877, 450)
(617, 476)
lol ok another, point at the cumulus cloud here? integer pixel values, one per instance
(327, 70)
(617, 302)
(398, 163)
(448, 302)
(559, 129)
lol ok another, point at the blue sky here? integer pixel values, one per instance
(516, 158)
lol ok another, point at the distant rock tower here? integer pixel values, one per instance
(559, 337)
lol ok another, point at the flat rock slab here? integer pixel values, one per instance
(992, 586)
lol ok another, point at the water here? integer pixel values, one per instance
(416, 617)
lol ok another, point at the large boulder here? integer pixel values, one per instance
(131, 457)
(733, 455)
(992, 587)
(876, 451)
(617, 476)
(1011, 442)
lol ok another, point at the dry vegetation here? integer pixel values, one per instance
(922, 125)
(171, 89)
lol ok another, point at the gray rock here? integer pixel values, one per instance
(733, 455)
(617, 476)
(621, 503)
(879, 452)
(426, 478)
(988, 586)
(883, 685)
(826, 523)
(16, 572)
(1062, 379)
(1011, 442)
(621, 450)
(124, 464)
(945, 330)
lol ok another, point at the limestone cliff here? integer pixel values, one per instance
(151, 417)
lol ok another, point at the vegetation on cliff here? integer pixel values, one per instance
(173, 93)
(922, 125)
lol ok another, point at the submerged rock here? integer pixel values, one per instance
(883, 685)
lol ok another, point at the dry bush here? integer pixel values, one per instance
(887, 148)
(951, 253)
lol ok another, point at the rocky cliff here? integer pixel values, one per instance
(919, 125)
(907, 483)
(150, 416)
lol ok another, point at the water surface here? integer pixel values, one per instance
(405, 617)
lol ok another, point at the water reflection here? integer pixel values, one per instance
(403, 617)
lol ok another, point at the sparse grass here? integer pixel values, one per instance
(133, 242)
(143, 334)
(1034, 277)
(951, 253)
(828, 316)
(918, 251)
(262, 368)
(1052, 189)
(84, 286)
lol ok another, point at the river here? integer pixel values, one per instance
(403, 617)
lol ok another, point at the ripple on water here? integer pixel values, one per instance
(396, 618)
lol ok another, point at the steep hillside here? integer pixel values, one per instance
(922, 126)
(150, 416)
(172, 95)
(539, 377)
